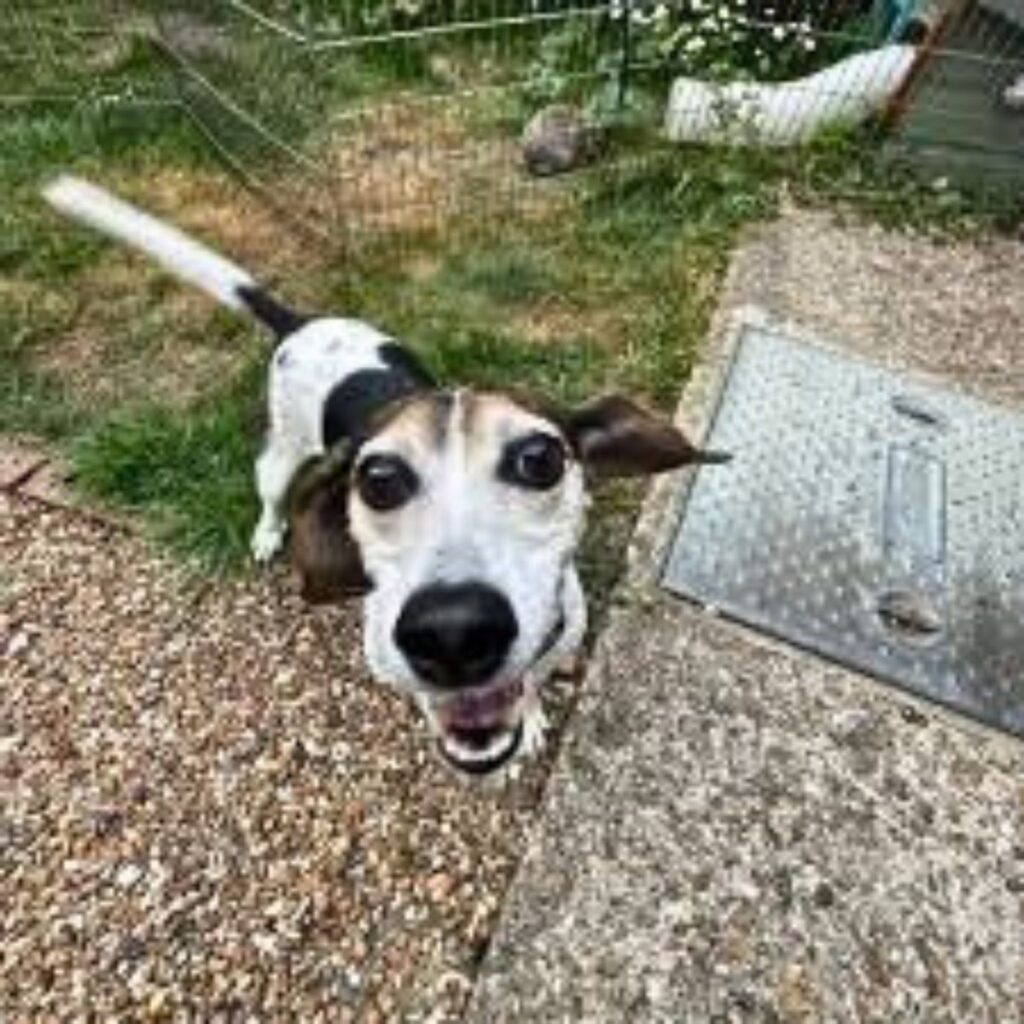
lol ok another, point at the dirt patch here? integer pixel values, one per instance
(51, 483)
(30, 311)
(233, 220)
(19, 460)
(410, 169)
(137, 338)
(416, 166)
(421, 267)
(553, 322)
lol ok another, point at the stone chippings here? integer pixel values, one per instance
(208, 812)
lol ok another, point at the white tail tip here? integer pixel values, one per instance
(183, 256)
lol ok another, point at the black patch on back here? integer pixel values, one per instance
(402, 361)
(353, 402)
(279, 318)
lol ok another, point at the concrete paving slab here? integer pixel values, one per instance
(739, 832)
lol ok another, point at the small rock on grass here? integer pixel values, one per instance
(558, 139)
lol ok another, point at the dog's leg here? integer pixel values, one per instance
(274, 471)
(535, 722)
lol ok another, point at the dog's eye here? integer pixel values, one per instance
(537, 461)
(385, 482)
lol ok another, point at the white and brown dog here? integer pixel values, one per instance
(455, 514)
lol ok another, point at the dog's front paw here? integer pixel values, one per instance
(535, 723)
(267, 540)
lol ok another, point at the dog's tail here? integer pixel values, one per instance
(183, 256)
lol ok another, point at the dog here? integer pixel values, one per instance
(453, 513)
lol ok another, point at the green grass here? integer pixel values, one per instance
(614, 291)
(645, 249)
(46, 257)
(503, 277)
(190, 474)
(32, 403)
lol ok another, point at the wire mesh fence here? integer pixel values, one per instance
(390, 118)
(410, 117)
(407, 116)
(75, 54)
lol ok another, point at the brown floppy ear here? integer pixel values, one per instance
(322, 550)
(616, 437)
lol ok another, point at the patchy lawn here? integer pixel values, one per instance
(570, 286)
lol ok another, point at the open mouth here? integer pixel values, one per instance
(480, 728)
(501, 750)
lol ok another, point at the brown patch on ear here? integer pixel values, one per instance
(616, 437)
(322, 550)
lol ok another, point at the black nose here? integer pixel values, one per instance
(456, 635)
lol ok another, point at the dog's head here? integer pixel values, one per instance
(458, 517)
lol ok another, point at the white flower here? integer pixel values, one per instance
(694, 45)
(779, 32)
(810, 44)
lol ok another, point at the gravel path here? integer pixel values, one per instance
(208, 812)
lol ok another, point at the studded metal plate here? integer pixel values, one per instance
(866, 516)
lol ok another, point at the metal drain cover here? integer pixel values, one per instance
(868, 517)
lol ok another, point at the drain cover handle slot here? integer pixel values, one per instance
(918, 411)
(914, 537)
(914, 526)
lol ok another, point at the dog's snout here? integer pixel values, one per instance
(456, 635)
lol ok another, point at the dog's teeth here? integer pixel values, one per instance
(495, 750)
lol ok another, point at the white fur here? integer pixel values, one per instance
(177, 252)
(303, 370)
(465, 524)
(786, 113)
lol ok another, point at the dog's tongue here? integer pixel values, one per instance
(479, 709)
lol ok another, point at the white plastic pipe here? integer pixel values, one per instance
(785, 113)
